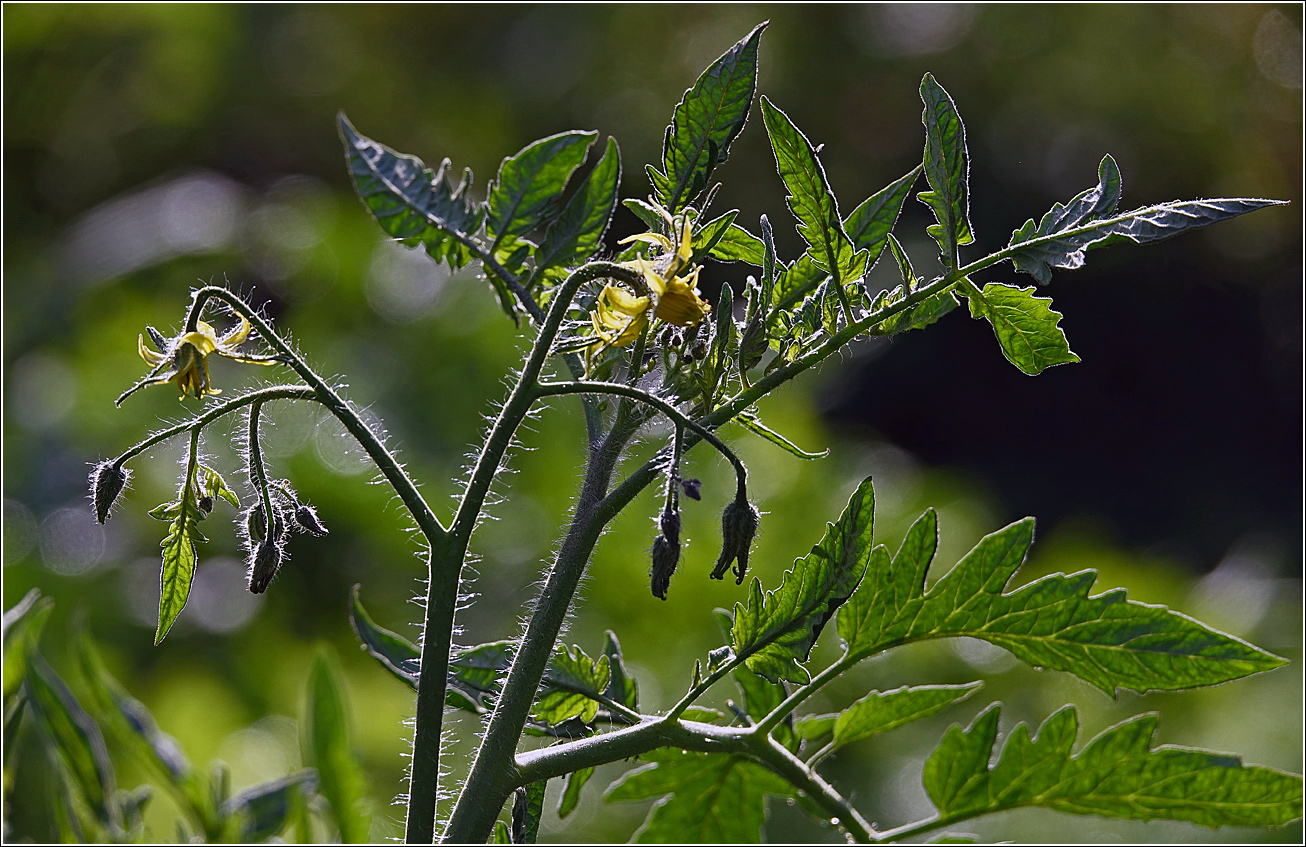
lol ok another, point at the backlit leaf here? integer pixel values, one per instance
(577, 234)
(528, 190)
(1027, 328)
(324, 733)
(947, 168)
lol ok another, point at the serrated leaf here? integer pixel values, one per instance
(528, 189)
(797, 281)
(22, 630)
(621, 687)
(324, 738)
(812, 727)
(776, 631)
(868, 225)
(571, 792)
(265, 810)
(396, 654)
(739, 245)
(715, 798)
(577, 234)
(810, 198)
(1026, 326)
(1107, 640)
(1117, 774)
(947, 168)
(179, 556)
(476, 672)
(646, 212)
(1066, 232)
(77, 741)
(918, 316)
(705, 122)
(409, 201)
(749, 420)
(527, 811)
(573, 684)
(880, 712)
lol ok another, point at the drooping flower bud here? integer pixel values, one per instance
(692, 487)
(666, 555)
(205, 504)
(738, 527)
(669, 523)
(307, 519)
(264, 564)
(107, 482)
(255, 526)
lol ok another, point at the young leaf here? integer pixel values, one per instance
(621, 687)
(179, 558)
(324, 739)
(810, 198)
(409, 201)
(918, 316)
(571, 793)
(1108, 640)
(396, 654)
(870, 223)
(265, 810)
(749, 420)
(528, 190)
(1064, 234)
(739, 245)
(527, 810)
(705, 122)
(947, 168)
(573, 684)
(577, 234)
(709, 235)
(775, 631)
(1117, 774)
(716, 798)
(880, 712)
(1026, 326)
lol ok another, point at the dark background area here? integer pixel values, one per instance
(150, 147)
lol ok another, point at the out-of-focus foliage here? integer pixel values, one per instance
(147, 147)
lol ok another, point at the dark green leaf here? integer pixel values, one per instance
(810, 198)
(1064, 234)
(76, 738)
(571, 793)
(621, 687)
(739, 245)
(324, 734)
(947, 168)
(572, 686)
(1117, 774)
(1108, 640)
(577, 234)
(527, 810)
(776, 631)
(883, 712)
(528, 190)
(22, 630)
(760, 697)
(705, 122)
(715, 798)
(1025, 325)
(265, 810)
(395, 653)
(749, 420)
(870, 223)
(409, 201)
(475, 673)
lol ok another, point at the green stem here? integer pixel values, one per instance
(258, 476)
(792, 768)
(703, 685)
(791, 702)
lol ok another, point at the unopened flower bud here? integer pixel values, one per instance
(206, 504)
(255, 527)
(107, 482)
(669, 523)
(264, 564)
(738, 527)
(691, 488)
(666, 554)
(307, 519)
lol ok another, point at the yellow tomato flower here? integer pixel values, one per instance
(667, 276)
(188, 357)
(620, 316)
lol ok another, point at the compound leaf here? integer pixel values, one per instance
(1117, 774)
(947, 168)
(573, 685)
(1027, 328)
(776, 630)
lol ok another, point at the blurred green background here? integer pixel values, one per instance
(151, 147)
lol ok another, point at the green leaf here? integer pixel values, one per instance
(409, 201)
(707, 236)
(324, 738)
(870, 223)
(475, 674)
(715, 798)
(179, 558)
(646, 212)
(1026, 326)
(1108, 640)
(760, 698)
(797, 281)
(812, 727)
(396, 654)
(527, 810)
(947, 169)
(76, 739)
(776, 631)
(918, 316)
(215, 486)
(571, 793)
(810, 198)
(705, 122)
(749, 420)
(577, 234)
(501, 834)
(739, 245)
(1117, 774)
(879, 712)
(573, 684)
(265, 810)
(621, 687)
(22, 630)
(702, 714)
(528, 190)
(1066, 232)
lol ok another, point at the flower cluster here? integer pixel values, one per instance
(188, 357)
